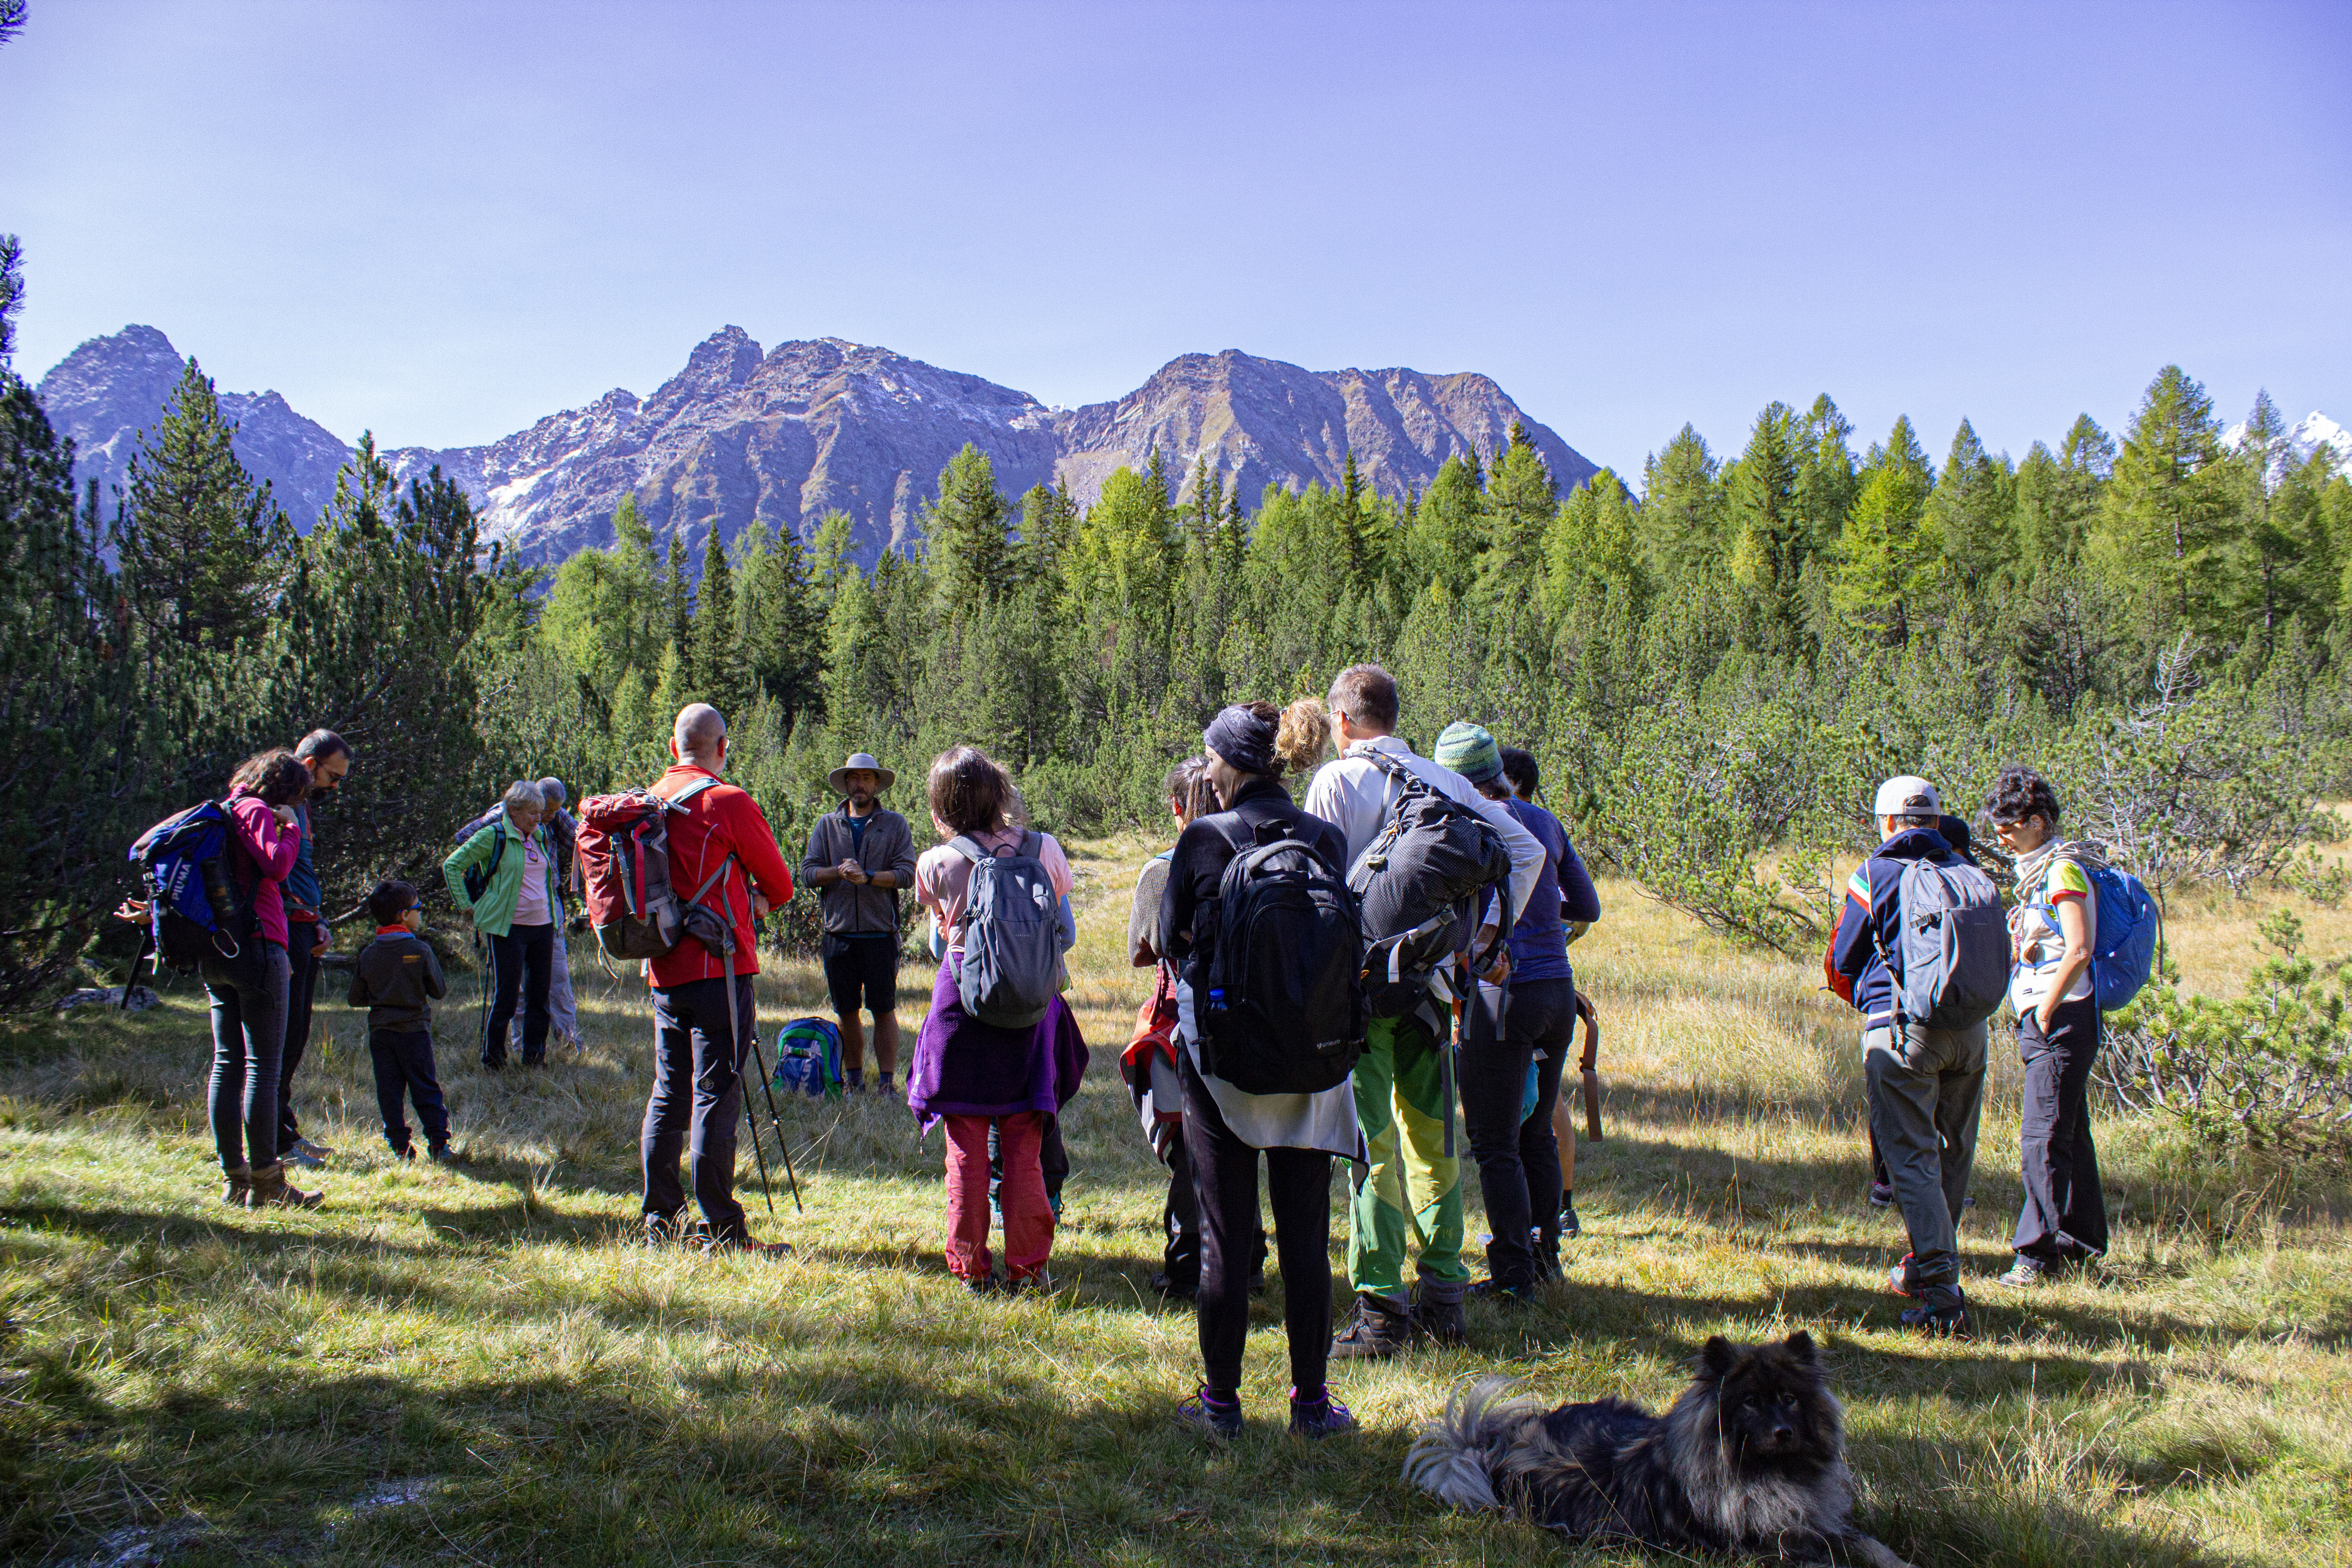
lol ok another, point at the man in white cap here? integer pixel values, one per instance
(859, 856)
(1927, 1085)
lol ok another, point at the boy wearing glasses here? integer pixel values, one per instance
(397, 979)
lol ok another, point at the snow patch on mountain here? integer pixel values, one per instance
(2303, 438)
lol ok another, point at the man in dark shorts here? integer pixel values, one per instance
(859, 856)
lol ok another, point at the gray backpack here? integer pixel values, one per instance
(1011, 935)
(1953, 940)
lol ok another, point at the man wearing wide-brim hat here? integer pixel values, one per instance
(859, 856)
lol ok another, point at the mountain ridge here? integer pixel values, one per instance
(783, 436)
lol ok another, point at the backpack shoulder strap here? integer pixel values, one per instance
(963, 845)
(688, 792)
(1033, 843)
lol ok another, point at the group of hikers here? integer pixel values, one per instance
(1329, 980)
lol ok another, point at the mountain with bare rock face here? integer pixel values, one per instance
(108, 389)
(785, 435)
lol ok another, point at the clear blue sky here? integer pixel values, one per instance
(445, 220)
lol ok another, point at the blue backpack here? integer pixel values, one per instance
(2129, 925)
(808, 1059)
(195, 908)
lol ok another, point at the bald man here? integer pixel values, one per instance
(703, 1020)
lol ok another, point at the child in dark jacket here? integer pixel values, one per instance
(397, 979)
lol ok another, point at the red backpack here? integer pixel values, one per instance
(624, 848)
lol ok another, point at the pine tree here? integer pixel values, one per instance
(721, 672)
(203, 549)
(12, 292)
(1886, 554)
(1683, 508)
(1768, 535)
(1522, 500)
(781, 613)
(2162, 530)
(969, 554)
(1826, 483)
(677, 609)
(1448, 528)
(1973, 506)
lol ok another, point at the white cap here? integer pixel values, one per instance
(1908, 796)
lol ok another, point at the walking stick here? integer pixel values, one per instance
(783, 1145)
(759, 1155)
(146, 936)
(1590, 1066)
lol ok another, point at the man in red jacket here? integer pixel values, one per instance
(722, 839)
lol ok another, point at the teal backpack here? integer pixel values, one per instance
(808, 1059)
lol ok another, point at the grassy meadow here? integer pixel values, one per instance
(474, 1366)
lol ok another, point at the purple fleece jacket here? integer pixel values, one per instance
(965, 1067)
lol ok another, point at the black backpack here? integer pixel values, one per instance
(478, 878)
(1284, 1009)
(1414, 884)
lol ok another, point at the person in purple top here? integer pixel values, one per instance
(1530, 1018)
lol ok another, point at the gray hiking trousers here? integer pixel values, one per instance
(1926, 1090)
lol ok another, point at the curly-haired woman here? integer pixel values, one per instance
(2052, 931)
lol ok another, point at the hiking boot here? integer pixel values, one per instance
(982, 1284)
(1218, 1420)
(1038, 1284)
(1882, 1195)
(1898, 1279)
(442, 1154)
(404, 1150)
(2025, 1271)
(237, 1184)
(661, 1230)
(271, 1191)
(1569, 1224)
(1317, 1418)
(1950, 1321)
(306, 1150)
(1440, 1316)
(1175, 1290)
(1378, 1329)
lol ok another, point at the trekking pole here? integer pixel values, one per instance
(783, 1144)
(759, 1156)
(145, 935)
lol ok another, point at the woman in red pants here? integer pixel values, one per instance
(972, 1074)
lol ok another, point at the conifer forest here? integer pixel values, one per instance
(1714, 658)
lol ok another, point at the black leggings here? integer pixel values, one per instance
(1518, 1158)
(522, 961)
(1225, 1181)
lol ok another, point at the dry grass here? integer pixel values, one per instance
(472, 1366)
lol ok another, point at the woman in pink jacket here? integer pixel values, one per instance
(249, 991)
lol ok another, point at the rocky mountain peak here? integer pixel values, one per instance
(108, 389)
(781, 436)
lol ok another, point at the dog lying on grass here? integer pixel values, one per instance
(1751, 1458)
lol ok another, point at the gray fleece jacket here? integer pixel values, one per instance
(888, 845)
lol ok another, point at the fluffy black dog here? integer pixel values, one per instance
(1750, 1459)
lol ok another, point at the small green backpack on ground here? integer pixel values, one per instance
(808, 1058)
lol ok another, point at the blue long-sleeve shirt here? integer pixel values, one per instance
(301, 886)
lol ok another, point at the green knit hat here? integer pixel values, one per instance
(1469, 751)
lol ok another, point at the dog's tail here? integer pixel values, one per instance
(1455, 1457)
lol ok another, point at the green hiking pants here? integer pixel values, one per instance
(1412, 1190)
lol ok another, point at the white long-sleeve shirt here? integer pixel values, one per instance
(1351, 795)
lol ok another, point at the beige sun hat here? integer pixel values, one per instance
(860, 762)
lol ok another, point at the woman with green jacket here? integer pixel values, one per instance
(517, 910)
